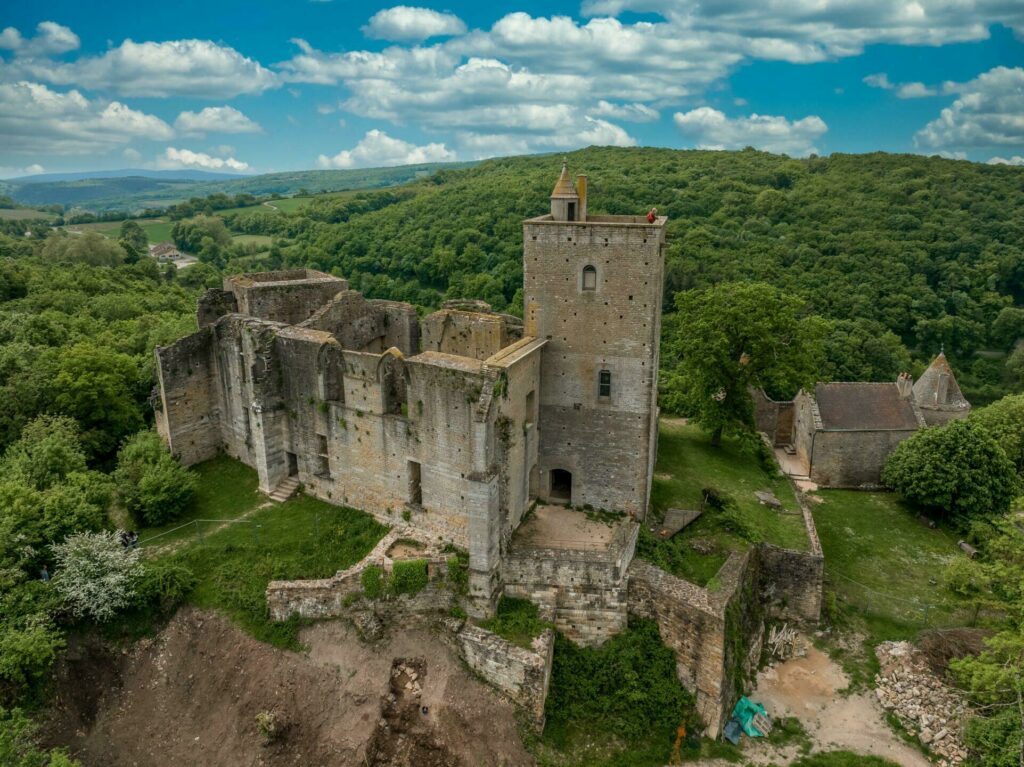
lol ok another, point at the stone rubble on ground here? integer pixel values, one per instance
(924, 705)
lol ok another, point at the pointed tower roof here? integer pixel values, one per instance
(937, 387)
(565, 187)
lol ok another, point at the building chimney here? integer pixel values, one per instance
(904, 385)
(581, 190)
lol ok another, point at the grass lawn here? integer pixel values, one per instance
(875, 540)
(302, 538)
(157, 229)
(687, 463)
(227, 489)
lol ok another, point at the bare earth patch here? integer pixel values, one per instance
(191, 696)
(808, 688)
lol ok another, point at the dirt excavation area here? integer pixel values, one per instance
(202, 692)
(808, 688)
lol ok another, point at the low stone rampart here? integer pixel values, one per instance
(522, 674)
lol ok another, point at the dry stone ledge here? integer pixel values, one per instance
(927, 707)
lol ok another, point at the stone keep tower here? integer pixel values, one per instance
(593, 288)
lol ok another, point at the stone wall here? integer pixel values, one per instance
(290, 296)
(467, 334)
(522, 674)
(775, 419)
(853, 458)
(583, 592)
(603, 441)
(340, 594)
(188, 417)
(791, 583)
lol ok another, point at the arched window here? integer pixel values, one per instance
(589, 278)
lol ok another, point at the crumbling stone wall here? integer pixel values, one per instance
(289, 296)
(467, 334)
(189, 414)
(213, 305)
(522, 674)
(712, 633)
(584, 593)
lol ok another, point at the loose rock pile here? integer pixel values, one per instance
(908, 688)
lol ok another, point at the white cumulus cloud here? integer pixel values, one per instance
(199, 68)
(223, 119)
(915, 91)
(711, 129)
(989, 111)
(377, 148)
(50, 38)
(174, 158)
(405, 22)
(34, 118)
(879, 80)
(1015, 160)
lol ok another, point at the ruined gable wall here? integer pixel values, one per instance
(805, 426)
(290, 302)
(189, 414)
(853, 458)
(605, 444)
(467, 334)
(213, 305)
(401, 326)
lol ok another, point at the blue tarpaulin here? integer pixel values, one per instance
(744, 712)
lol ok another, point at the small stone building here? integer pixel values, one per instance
(841, 434)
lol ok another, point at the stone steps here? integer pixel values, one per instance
(285, 489)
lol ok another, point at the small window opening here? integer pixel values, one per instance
(415, 488)
(604, 383)
(323, 464)
(589, 278)
(572, 211)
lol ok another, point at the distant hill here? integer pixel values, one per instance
(172, 175)
(100, 191)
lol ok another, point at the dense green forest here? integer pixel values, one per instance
(927, 249)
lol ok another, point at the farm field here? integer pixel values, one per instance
(19, 214)
(264, 240)
(157, 229)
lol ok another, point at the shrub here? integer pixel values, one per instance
(48, 450)
(458, 572)
(153, 486)
(164, 585)
(957, 470)
(28, 647)
(408, 577)
(96, 575)
(372, 580)
(17, 744)
(717, 499)
(269, 725)
(516, 620)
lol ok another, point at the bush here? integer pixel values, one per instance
(96, 575)
(957, 470)
(152, 485)
(17, 744)
(408, 577)
(717, 499)
(28, 647)
(164, 585)
(372, 580)
(516, 620)
(627, 689)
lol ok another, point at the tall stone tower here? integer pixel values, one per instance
(593, 287)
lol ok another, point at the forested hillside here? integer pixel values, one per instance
(929, 249)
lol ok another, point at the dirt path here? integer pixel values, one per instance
(190, 696)
(165, 549)
(808, 688)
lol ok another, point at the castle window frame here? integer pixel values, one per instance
(589, 278)
(604, 385)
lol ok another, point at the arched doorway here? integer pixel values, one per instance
(561, 485)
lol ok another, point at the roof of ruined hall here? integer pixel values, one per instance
(864, 406)
(565, 187)
(937, 387)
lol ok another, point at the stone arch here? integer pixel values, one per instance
(330, 373)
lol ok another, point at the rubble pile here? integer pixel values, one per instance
(924, 705)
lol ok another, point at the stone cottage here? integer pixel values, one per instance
(841, 434)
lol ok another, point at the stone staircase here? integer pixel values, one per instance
(285, 489)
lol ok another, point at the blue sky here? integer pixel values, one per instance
(259, 87)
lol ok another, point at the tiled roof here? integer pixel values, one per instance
(937, 387)
(865, 406)
(565, 187)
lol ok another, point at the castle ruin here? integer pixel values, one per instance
(457, 422)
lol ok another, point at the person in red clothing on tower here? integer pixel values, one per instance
(652, 214)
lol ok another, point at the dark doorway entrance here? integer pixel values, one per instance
(415, 488)
(561, 485)
(572, 211)
(293, 464)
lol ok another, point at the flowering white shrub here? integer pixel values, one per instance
(95, 574)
